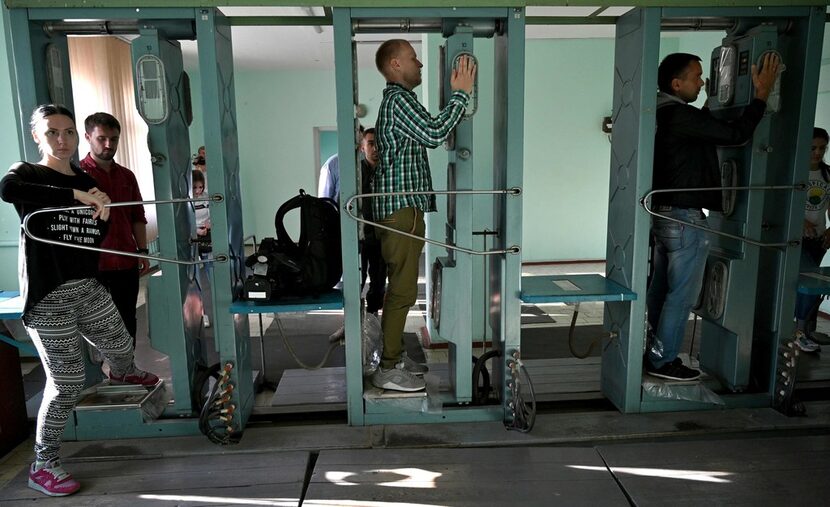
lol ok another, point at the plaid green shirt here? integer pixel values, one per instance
(403, 131)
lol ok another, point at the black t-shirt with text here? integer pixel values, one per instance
(43, 266)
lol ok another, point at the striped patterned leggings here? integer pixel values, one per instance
(78, 309)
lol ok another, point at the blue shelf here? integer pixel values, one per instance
(572, 289)
(11, 308)
(11, 305)
(332, 300)
(815, 283)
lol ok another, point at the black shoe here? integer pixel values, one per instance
(675, 370)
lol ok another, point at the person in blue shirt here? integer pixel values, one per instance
(329, 183)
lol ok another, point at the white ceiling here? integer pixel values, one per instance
(302, 47)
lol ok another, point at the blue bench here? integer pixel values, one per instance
(815, 283)
(11, 308)
(332, 300)
(572, 289)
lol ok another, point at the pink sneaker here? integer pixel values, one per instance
(52, 479)
(136, 376)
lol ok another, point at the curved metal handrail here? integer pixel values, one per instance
(214, 198)
(348, 207)
(645, 202)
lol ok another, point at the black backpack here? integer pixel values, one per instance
(308, 267)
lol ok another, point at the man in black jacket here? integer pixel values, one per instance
(685, 156)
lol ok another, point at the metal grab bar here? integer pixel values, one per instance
(214, 198)
(645, 202)
(510, 191)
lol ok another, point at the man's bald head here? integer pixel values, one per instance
(397, 61)
(386, 52)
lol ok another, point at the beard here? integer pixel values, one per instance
(105, 155)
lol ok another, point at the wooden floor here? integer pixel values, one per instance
(325, 389)
(463, 477)
(310, 391)
(736, 457)
(752, 473)
(730, 472)
(814, 367)
(187, 480)
(553, 380)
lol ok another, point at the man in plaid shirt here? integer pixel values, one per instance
(404, 130)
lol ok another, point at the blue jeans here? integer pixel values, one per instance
(812, 253)
(679, 262)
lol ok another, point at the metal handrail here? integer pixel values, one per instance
(252, 237)
(510, 191)
(214, 198)
(646, 204)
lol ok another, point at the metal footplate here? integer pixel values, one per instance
(110, 396)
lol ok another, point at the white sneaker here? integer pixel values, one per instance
(804, 342)
(397, 379)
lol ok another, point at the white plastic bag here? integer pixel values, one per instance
(372, 343)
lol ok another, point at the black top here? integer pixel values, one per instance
(42, 266)
(367, 178)
(685, 153)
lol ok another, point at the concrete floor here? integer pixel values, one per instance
(575, 455)
(732, 457)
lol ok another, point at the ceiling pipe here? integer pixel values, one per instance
(174, 28)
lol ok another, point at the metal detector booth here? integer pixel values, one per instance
(41, 73)
(480, 201)
(474, 283)
(750, 284)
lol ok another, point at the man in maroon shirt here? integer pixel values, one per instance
(127, 230)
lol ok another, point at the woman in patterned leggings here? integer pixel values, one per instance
(64, 304)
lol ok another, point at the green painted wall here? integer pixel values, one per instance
(277, 112)
(568, 87)
(328, 144)
(568, 91)
(566, 154)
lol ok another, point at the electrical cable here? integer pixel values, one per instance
(481, 394)
(198, 388)
(334, 342)
(216, 416)
(785, 379)
(596, 341)
(524, 413)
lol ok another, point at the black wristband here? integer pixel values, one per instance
(142, 251)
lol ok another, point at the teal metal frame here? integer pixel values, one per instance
(396, 3)
(231, 332)
(504, 215)
(762, 282)
(175, 333)
(638, 35)
(171, 333)
(632, 149)
(456, 299)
